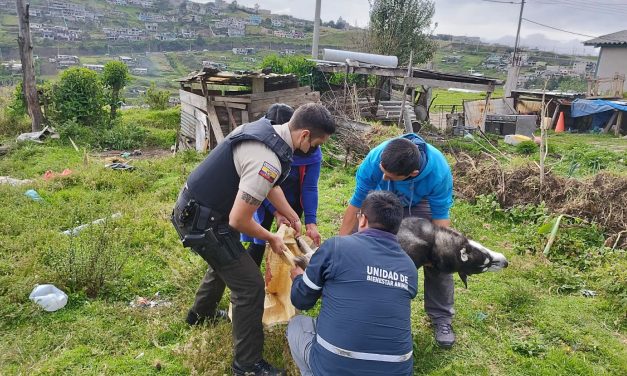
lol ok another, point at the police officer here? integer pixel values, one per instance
(218, 202)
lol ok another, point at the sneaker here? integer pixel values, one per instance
(194, 318)
(444, 335)
(261, 368)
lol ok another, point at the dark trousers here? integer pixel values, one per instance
(247, 296)
(240, 273)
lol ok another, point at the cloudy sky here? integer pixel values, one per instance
(494, 20)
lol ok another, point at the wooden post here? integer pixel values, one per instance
(485, 111)
(28, 69)
(619, 123)
(258, 85)
(408, 129)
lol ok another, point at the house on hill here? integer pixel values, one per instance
(613, 54)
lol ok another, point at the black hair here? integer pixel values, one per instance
(315, 118)
(383, 210)
(401, 157)
(279, 113)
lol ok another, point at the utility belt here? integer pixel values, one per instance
(205, 231)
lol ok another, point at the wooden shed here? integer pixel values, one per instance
(214, 102)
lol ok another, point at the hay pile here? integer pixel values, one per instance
(601, 199)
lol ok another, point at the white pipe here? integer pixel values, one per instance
(341, 56)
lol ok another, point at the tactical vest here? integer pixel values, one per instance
(214, 183)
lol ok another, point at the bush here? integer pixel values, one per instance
(122, 137)
(10, 124)
(89, 261)
(157, 99)
(527, 148)
(79, 95)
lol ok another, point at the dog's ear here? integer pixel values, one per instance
(463, 255)
(464, 279)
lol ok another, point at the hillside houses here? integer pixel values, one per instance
(66, 11)
(146, 4)
(123, 33)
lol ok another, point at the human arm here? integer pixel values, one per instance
(349, 221)
(309, 193)
(278, 200)
(241, 219)
(367, 179)
(441, 222)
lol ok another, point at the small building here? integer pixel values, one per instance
(612, 56)
(214, 102)
(140, 71)
(94, 67)
(243, 51)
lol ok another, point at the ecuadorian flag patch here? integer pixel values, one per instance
(269, 172)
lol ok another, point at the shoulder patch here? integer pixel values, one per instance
(269, 172)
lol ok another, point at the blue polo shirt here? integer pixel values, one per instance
(366, 282)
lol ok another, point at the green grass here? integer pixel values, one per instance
(510, 323)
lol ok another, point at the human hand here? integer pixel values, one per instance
(312, 232)
(281, 219)
(277, 244)
(295, 272)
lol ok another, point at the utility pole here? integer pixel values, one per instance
(522, 6)
(316, 32)
(28, 68)
(514, 68)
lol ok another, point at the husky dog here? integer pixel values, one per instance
(446, 250)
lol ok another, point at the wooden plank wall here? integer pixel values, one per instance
(231, 111)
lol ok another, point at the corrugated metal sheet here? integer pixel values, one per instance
(474, 111)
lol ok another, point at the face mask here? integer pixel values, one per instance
(300, 153)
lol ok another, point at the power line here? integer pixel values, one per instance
(590, 8)
(567, 31)
(501, 2)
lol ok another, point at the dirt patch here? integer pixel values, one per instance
(601, 199)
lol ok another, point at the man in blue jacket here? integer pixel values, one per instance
(420, 177)
(366, 282)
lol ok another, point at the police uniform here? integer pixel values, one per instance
(254, 158)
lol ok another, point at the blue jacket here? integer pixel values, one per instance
(434, 182)
(366, 282)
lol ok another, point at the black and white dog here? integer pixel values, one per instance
(446, 250)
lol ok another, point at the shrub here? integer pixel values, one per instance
(122, 137)
(157, 99)
(79, 95)
(90, 260)
(527, 148)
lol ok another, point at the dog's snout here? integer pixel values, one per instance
(505, 264)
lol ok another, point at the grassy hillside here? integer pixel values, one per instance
(530, 319)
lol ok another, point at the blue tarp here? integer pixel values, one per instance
(583, 107)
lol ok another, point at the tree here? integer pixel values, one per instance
(398, 27)
(115, 77)
(79, 96)
(157, 99)
(28, 68)
(233, 6)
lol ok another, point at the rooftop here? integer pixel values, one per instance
(614, 39)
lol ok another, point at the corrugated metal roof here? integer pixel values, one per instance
(618, 38)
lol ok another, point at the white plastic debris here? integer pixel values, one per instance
(48, 297)
(80, 228)
(47, 132)
(515, 139)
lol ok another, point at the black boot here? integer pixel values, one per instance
(195, 319)
(261, 368)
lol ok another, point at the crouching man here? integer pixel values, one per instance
(366, 282)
